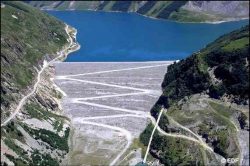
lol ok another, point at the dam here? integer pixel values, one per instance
(108, 104)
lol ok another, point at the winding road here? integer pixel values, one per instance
(108, 78)
(61, 54)
(88, 101)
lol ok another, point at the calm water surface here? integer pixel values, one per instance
(105, 36)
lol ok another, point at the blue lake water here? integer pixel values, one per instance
(107, 36)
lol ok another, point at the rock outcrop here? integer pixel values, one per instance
(38, 133)
(184, 11)
(206, 96)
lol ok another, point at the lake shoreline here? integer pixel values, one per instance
(170, 61)
(128, 37)
(155, 18)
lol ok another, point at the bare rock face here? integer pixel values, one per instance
(226, 8)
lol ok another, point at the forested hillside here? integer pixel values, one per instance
(206, 95)
(220, 69)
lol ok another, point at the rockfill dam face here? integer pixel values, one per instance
(109, 105)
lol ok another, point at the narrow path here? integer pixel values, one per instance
(112, 108)
(105, 84)
(111, 116)
(111, 71)
(123, 131)
(127, 112)
(132, 152)
(195, 135)
(152, 135)
(108, 96)
(222, 116)
(23, 100)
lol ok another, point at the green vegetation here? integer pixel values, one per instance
(11, 131)
(183, 15)
(58, 125)
(53, 139)
(138, 144)
(173, 6)
(16, 161)
(43, 159)
(228, 56)
(37, 111)
(158, 106)
(222, 109)
(164, 122)
(243, 120)
(190, 76)
(57, 94)
(183, 79)
(221, 139)
(213, 123)
(221, 145)
(145, 135)
(36, 159)
(172, 151)
(237, 44)
(27, 37)
(15, 148)
(173, 10)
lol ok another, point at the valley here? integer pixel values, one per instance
(131, 90)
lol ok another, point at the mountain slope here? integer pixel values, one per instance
(206, 96)
(28, 36)
(221, 68)
(199, 11)
(30, 39)
(186, 11)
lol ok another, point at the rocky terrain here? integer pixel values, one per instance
(108, 104)
(28, 36)
(206, 115)
(33, 132)
(206, 96)
(185, 11)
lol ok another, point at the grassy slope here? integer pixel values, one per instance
(229, 55)
(183, 15)
(24, 43)
(160, 9)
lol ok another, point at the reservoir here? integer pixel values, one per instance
(123, 37)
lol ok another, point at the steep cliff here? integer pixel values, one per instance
(186, 11)
(32, 130)
(207, 101)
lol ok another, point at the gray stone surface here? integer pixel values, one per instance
(111, 97)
